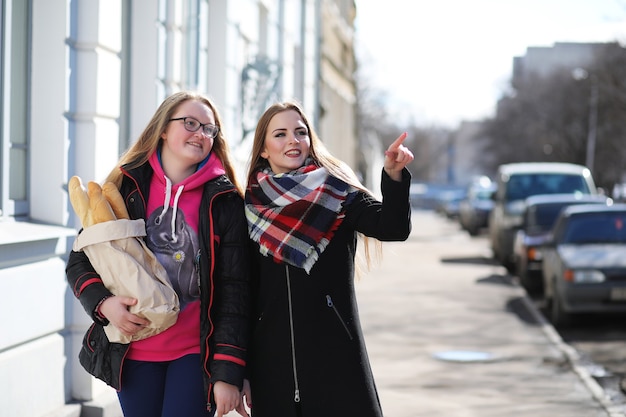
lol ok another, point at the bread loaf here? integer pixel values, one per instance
(101, 211)
(113, 196)
(79, 200)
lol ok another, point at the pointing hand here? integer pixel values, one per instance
(397, 156)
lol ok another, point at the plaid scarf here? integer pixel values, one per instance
(293, 216)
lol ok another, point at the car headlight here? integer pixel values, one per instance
(584, 276)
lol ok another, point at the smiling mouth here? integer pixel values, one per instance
(293, 153)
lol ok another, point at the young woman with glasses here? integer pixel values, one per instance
(178, 176)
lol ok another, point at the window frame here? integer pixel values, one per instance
(15, 38)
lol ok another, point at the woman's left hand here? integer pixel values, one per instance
(397, 156)
(227, 398)
(246, 398)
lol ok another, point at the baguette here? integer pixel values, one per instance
(101, 211)
(79, 200)
(113, 196)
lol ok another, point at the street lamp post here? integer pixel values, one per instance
(581, 74)
(593, 122)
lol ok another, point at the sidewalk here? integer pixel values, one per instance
(444, 338)
(449, 335)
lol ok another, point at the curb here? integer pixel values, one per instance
(573, 359)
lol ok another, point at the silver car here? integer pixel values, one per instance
(518, 181)
(474, 209)
(584, 262)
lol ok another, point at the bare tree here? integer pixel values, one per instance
(375, 123)
(553, 118)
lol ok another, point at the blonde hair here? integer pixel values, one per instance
(148, 142)
(317, 152)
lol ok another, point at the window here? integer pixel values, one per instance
(521, 186)
(589, 228)
(196, 45)
(14, 63)
(183, 45)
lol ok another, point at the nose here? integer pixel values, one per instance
(295, 139)
(200, 133)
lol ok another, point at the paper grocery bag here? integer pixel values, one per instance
(128, 268)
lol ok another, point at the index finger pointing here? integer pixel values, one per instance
(396, 143)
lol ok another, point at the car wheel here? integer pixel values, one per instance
(523, 276)
(503, 260)
(509, 265)
(558, 316)
(529, 282)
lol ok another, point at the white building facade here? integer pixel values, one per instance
(80, 79)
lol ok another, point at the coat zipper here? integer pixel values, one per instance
(329, 303)
(296, 397)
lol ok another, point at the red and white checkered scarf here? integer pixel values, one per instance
(293, 216)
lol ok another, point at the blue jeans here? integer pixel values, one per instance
(163, 389)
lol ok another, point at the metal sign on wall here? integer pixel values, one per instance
(259, 87)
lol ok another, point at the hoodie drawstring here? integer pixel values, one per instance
(175, 208)
(166, 205)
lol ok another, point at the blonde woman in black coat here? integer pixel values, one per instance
(306, 210)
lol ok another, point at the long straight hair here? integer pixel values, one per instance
(318, 152)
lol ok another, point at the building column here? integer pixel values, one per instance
(94, 65)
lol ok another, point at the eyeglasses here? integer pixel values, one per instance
(192, 125)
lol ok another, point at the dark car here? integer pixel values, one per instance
(448, 202)
(584, 265)
(431, 196)
(474, 209)
(540, 213)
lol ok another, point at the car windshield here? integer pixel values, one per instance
(542, 216)
(596, 228)
(484, 194)
(521, 186)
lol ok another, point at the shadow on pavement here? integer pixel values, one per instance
(475, 260)
(519, 307)
(508, 280)
(516, 305)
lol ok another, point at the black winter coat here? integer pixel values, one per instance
(224, 285)
(321, 367)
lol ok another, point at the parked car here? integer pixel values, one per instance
(448, 203)
(540, 213)
(474, 209)
(518, 181)
(584, 266)
(429, 196)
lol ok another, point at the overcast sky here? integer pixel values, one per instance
(445, 61)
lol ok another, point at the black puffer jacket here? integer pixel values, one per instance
(224, 285)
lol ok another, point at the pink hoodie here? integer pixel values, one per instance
(172, 234)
